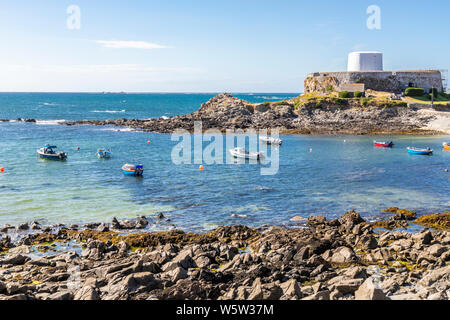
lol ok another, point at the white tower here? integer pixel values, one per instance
(365, 61)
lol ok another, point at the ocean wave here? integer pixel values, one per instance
(48, 103)
(120, 130)
(109, 111)
(49, 122)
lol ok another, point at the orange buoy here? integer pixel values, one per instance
(201, 168)
(2, 169)
(310, 150)
(148, 142)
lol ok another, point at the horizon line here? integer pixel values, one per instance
(155, 92)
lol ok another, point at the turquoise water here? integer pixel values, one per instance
(341, 173)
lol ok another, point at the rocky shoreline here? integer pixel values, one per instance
(300, 115)
(341, 259)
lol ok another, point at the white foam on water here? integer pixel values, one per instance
(48, 103)
(49, 122)
(109, 111)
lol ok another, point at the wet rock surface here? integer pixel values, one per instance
(330, 116)
(341, 259)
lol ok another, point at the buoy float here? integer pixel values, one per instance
(201, 168)
(148, 142)
(2, 169)
(78, 148)
(310, 150)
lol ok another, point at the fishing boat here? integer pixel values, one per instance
(271, 140)
(446, 146)
(103, 153)
(135, 170)
(47, 152)
(426, 151)
(244, 154)
(387, 144)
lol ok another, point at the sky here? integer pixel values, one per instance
(208, 46)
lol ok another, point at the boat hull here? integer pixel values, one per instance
(133, 173)
(420, 152)
(271, 141)
(383, 145)
(248, 156)
(57, 156)
(103, 155)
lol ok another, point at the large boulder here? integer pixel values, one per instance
(343, 255)
(369, 291)
(351, 218)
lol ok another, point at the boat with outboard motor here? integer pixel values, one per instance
(47, 152)
(425, 152)
(244, 154)
(135, 170)
(103, 153)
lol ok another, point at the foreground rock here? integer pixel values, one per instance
(342, 259)
(317, 115)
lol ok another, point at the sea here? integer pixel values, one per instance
(317, 175)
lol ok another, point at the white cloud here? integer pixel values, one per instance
(116, 44)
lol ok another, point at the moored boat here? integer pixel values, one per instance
(446, 146)
(133, 169)
(244, 154)
(103, 153)
(47, 152)
(387, 144)
(426, 151)
(271, 140)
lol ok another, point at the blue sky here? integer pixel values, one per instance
(208, 46)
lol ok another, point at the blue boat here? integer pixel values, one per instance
(103, 153)
(135, 170)
(425, 152)
(47, 152)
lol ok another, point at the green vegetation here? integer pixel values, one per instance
(329, 87)
(441, 98)
(434, 91)
(438, 221)
(281, 103)
(365, 101)
(344, 94)
(341, 101)
(357, 94)
(414, 92)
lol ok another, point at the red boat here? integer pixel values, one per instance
(388, 144)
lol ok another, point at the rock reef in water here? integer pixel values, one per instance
(340, 259)
(304, 114)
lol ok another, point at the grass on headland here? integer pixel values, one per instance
(440, 99)
(332, 98)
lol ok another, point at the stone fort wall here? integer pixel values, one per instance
(395, 82)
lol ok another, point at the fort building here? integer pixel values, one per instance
(365, 71)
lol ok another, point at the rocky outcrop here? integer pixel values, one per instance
(323, 116)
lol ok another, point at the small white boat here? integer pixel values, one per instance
(244, 154)
(271, 140)
(103, 153)
(47, 152)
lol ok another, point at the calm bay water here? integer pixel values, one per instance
(341, 173)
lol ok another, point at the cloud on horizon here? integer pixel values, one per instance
(119, 44)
